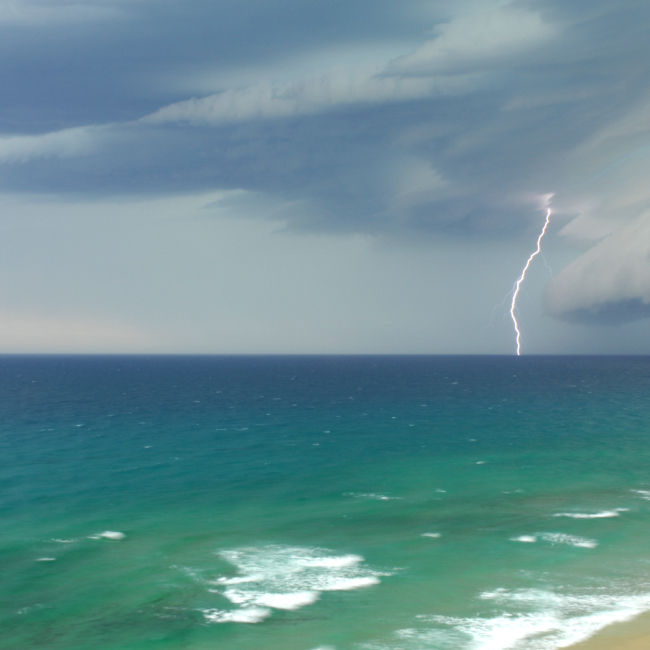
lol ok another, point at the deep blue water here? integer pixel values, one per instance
(294, 503)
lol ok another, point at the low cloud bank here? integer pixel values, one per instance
(610, 283)
(66, 143)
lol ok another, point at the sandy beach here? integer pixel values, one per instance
(614, 643)
(632, 635)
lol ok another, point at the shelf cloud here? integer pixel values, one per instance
(414, 121)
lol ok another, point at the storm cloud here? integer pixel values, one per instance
(610, 283)
(401, 119)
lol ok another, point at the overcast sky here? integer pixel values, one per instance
(324, 176)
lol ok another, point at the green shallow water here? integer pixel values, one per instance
(295, 503)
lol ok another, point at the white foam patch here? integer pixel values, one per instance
(645, 494)
(64, 541)
(378, 497)
(528, 619)
(289, 601)
(46, 559)
(605, 514)
(571, 540)
(284, 578)
(244, 615)
(557, 538)
(436, 535)
(108, 534)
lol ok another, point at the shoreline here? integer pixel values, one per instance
(628, 635)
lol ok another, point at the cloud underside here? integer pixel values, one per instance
(464, 132)
(614, 313)
(610, 283)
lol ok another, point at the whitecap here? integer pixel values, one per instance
(605, 514)
(379, 497)
(285, 578)
(64, 541)
(244, 615)
(46, 559)
(350, 584)
(571, 540)
(430, 535)
(289, 601)
(239, 581)
(528, 539)
(331, 562)
(526, 619)
(108, 534)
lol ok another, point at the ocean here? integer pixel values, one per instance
(322, 503)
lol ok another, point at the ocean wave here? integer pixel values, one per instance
(243, 615)
(378, 497)
(571, 540)
(558, 538)
(527, 619)
(284, 578)
(605, 514)
(108, 534)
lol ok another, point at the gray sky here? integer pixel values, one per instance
(358, 176)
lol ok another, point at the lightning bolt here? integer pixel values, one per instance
(522, 277)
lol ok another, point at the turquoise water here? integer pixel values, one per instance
(345, 503)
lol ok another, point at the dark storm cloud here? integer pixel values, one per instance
(490, 106)
(68, 64)
(614, 313)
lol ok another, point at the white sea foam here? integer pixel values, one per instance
(244, 615)
(63, 541)
(334, 562)
(527, 619)
(529, 539)
(108, 534)
(285, 578)
(379, 497)
(239, 581)
(46, 559)
(645, 494)
(430, 535)
(289, 601)
(571, 540)
(605, 514)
